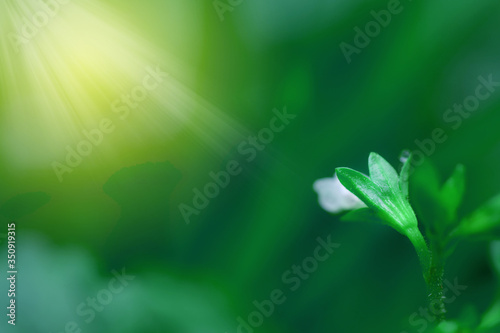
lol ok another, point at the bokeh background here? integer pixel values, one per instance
(120, 207)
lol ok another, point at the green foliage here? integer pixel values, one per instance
(363, 214)
(381, 192)
(484, 222)
(437, 204)
(490, 321)
(388, 195)
(452, 192)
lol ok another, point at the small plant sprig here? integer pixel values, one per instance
(384, 197)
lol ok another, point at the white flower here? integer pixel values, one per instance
(334, 197)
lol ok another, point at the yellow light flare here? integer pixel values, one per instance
(68, 65)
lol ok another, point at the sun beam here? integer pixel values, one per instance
(67, 66)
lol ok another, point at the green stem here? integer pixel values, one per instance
(435, 284)
(424, 256)
(432, 263)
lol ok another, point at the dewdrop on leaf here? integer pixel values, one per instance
(404, 156)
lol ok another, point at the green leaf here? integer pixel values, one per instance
(427, 176)
(24, 204)
(386, 177)
(466, 322)
(484, 221)
(453, 190)
(404, 177)
(363, 187)
(491, 318)
(383, 174)
(363, 215)
(383, 200)
(366, 215)
(437, 205)
(447, 327)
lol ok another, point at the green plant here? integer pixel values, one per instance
(388, 200)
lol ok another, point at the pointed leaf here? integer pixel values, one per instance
(383, 174)
(405, 177)
(427, 176)
(491, 318)
(485, 220)
(363, 215)
(368, 192)
(490, 322)
(452, 191)
(386, 177)
(426, 197)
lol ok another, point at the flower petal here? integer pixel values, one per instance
(334, 197)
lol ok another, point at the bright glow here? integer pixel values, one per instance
(67, 65)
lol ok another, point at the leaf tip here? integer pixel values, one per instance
(373, 156)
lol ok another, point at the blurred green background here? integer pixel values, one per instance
(123, 211)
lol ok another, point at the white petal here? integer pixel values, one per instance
(328, 196)
(334, 197)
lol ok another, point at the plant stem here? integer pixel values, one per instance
(432, 263)
(435, 283)
(424, 256)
